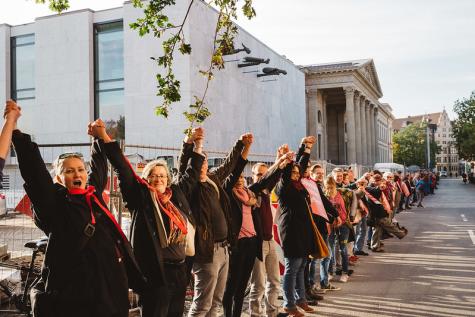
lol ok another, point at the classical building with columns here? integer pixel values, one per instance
(344, 112)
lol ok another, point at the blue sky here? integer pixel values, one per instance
(424, 50)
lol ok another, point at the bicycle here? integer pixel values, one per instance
(30, 275)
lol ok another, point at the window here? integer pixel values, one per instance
(319, 116)
(23, 69)
(109, 76)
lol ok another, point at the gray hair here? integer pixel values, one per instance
(151, 165)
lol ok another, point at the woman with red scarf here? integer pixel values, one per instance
(89, 265)
(160, 220)
(296, 231)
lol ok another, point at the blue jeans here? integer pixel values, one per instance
(340, 235)
(293, 282)
(324, 265)
(370, 233)
(361, 229)
(312, 272)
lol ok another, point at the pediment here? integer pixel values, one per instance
(368, 71)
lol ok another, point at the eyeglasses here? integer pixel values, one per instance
(157, 177)
(70, 154)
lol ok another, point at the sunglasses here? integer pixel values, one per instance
(70, 154)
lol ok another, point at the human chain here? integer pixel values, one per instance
(204, 225)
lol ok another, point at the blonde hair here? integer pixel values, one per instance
(151, 165)
(330, 186)
(58, 164)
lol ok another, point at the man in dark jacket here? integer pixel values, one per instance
(211, 210)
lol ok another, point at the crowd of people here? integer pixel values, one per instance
(203, 225)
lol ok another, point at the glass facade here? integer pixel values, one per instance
(23, 69)
(109, 76)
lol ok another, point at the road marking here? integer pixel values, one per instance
(463, 217)
(472, 236)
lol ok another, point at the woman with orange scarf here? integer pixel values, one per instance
(161, 216)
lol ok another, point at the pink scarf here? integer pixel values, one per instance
(316, 201)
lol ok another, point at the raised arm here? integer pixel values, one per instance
(187, 148)
(11, 114)
(130, 186)
(99, 169)
(223, 171)
(38, 185)
(269, 180)
(189, 177)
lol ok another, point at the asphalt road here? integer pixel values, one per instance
(431, 272)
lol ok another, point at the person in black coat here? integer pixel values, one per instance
(247, 228)
(160, 216)
(296, 231)
(89, 264)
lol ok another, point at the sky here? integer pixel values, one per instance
(424, 50)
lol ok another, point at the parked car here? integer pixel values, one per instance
(443, 174)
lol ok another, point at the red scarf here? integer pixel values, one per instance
(164, 202)
(89, 193)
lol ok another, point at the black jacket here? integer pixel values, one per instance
(267, 182)
(83, 276)
(295, 226)
(204, 235)
(376, 210)
(143, 230)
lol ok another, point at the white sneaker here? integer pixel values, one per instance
(344, 278)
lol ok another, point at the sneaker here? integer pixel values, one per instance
(306, 307)
(361, 253)
(331, 287)
(316, 289)
(310, 295)
(293, 312)
(343, 278)
(377, 250)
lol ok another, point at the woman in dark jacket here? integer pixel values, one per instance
(247, 228)
(89, 265)
(160, 215)
(296, 231)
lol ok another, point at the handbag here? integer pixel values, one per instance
(190, 239)
(322, 249)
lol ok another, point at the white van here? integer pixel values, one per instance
(389, 167)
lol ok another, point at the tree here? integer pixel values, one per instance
(155, 21)
(410, 146)
(464, 127)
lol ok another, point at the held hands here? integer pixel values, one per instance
(282, 150)
(12, 111)
(309, 141)
(285, 159)
(247, 139)
(97, 129)
(197, 134)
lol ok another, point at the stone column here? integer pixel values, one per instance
(350, 124)
(363, 130)
(358, 128)
(324, 128)
(312, 120)
(367, 145)
(373, 133)
(376, 143)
